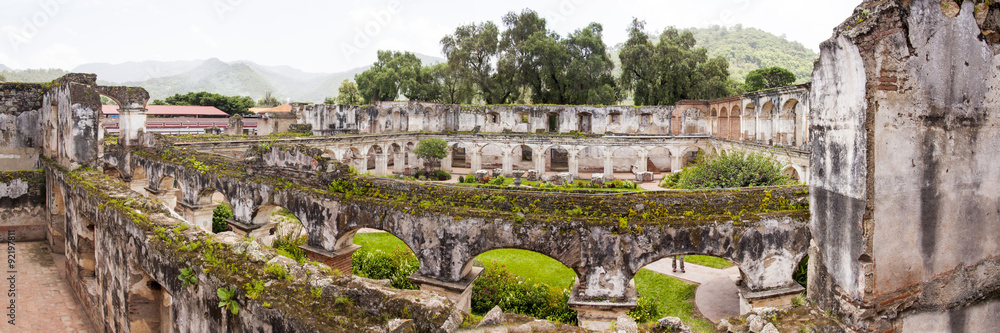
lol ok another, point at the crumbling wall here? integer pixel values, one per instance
(22, 204)
(905, 190)
(20, 104)
(70, 124)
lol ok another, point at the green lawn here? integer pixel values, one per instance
(536, 267)
(675, 298)
(714, 262)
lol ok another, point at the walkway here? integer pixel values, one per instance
(44, 300)
(716, 296)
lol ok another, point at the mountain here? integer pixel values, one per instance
(748, 49)
(137, 71)
(4, 68)
(33, 75)
(212, 75)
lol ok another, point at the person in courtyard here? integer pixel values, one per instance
(682, 263)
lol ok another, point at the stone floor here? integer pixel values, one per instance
(44, 300)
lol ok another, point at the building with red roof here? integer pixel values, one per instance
(169, 111)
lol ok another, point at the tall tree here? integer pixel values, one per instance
(392, 71)
(671, 70)
(453, 90)
(267, 101)
(767, 78)
(348, 94)
(588, 75)
(472, 49)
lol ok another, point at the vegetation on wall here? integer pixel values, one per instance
(219, 216)
(729, 170)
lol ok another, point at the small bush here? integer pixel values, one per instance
(288, 246)
(645, 311)
(469, 179)
(733, 170)
(219, 217)
(396, 266)
(498, 180)
(499, 287)
(278, 271)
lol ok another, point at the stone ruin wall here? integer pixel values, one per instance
(905, 183)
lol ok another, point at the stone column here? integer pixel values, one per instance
(381, 164)
(676, 163)
(574, 162)
(398, 162)
(539, 157)
(780, 298)
(597, 314)
(508, 163)
(340, 260)
(131, 120)
(643, 161)
(168, 197)
(446, 162)
(475, 160)
(458, 292)
(609, 167)
(197, 214)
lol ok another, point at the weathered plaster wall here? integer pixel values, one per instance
(906, 183)
(20, 104)
(22, 204)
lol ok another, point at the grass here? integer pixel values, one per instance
(536, 267)
(675, 298)
(714, 262)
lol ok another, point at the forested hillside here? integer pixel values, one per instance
(748, 49)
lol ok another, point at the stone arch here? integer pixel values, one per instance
(394, 150)
(523, 157)
(149, 303)
(749, 122)
(371, 156)
(556, 158)
(723, 123)
(590, 159)
(794, 173)
(113, 172)
(345, 244)
(735, 122)
(766, 125)
(491, 156)
(690, 154)
(460, 155)
(623, 159)
(659, 160)
(786, 131)
(139, 179)
(263, 217)
(475, 257)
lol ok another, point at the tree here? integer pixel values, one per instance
(670, 70)
(348, 94)
(767, 78)
(431, 150)
(472, 50)
(267, 101)
(231, 105)
(452, 89)
(393, 71)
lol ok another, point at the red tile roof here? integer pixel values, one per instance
(279, 108)
(171, 110)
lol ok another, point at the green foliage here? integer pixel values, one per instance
(801, 273)
(278, 271)
(254, 288)
(714, 262)
(188, 277)
(431, 150)
(393, 72)
(396, 265)
(434, 175)
(469, 179)
(799, 300)
(498, 180)
(316, 292)
(673, 298)
(670, 70)
(497, 286)
(231, 105)
(767, 78)
(645, 310)
(227, 297)
(268, 101)
(348, 94)
(748, 49)
(219, 216)
(288, 245)
(733, 170)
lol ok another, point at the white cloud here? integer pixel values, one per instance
(58, 55)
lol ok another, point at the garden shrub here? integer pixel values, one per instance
(288, 245)
(497, 286)
(733, 170)
(219, 217)
(469, 179)
(395, 265)
(645, 310)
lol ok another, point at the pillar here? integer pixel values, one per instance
(539, 158)
(197, 214)
(446, 162)
(676, 163)
(168, 197)
(459, 292)
(643, 161)
(609, 167)
(574, 163)
(508, 163)
(131, 120)
(475, 160)
(598, 314)
(381, 164)
(399, 162)
(413, 160)
(339, 260)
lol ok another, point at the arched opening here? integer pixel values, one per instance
(409, 156)
(723, 123)
(149, 303)
(766, 130)
(491, 157)
(460, 157)
(556, 159)
(56, 201)
(509, 273)
(280, 229)
(113, 172)
(493, 118)
(372, 157)
(524, 158)
(590, 160)
(691, 155)
(675, 285)
(793, 174)
(786, 123)
(382, 256)
(170, 193)
(86, 259)
(353, 158)
(623, 162)
(393, 160)
(213, 211)
(659, 160)
(734, 122)
(749, 123)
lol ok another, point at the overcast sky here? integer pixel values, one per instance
(332, 36)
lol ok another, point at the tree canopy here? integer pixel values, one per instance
(767, 78)
(348, 94)
(671, 69)
(268, 101)
(432, 149)
(231, 105)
